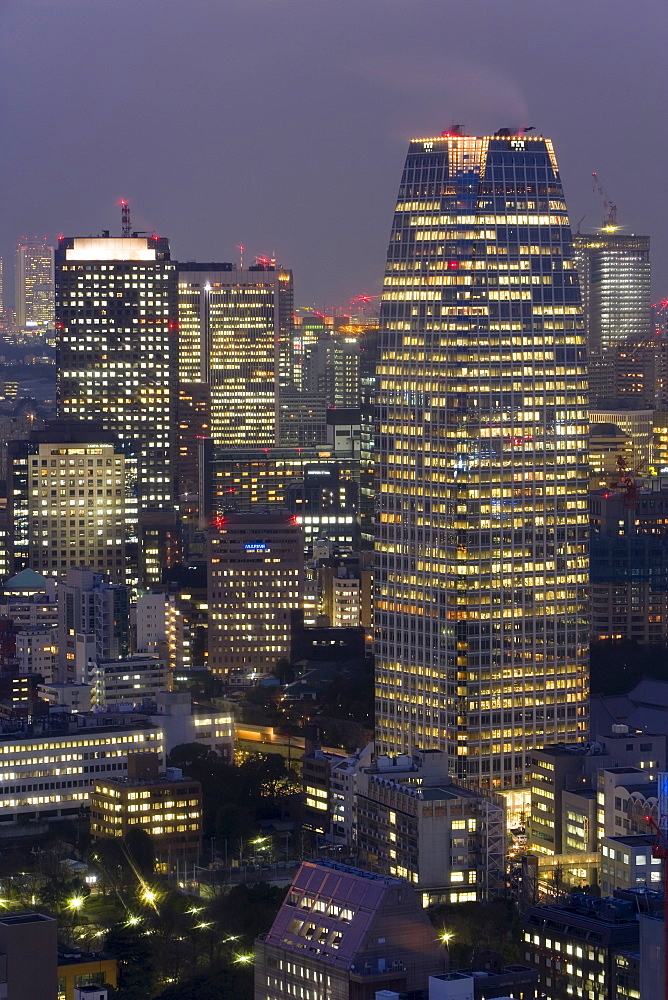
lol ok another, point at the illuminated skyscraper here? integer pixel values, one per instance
(235, 330)
(34, 283)
(117, 348)
(614, 271)
(481, 542)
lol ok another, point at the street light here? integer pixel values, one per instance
(446, 937)
(243, 959)
(75, 903)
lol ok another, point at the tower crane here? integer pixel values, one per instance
(626, 482)
(609, 207)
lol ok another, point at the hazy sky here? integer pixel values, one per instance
(283, 124)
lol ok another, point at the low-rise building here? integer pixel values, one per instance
(51, 775)
(347, 934)
(28, 945)
(574, 767)
(168, 806)
(628, 863)
(79, 970)
(130, 681)
(412, 822)
(575, 944)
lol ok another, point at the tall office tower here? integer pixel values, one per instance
(117, 349)
(66, 501)
(34, 284)
(2, 296)
(614, 272)
(481, 569)
(236, 334)
(331, 369)
(256, 565)
(93, 622)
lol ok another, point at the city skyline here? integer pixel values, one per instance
(348, 101)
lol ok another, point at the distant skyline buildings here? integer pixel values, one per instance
(34, 283)
(481, 538)
(615, 280)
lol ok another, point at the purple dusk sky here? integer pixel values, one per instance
(283, 124)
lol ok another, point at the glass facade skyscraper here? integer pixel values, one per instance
(236, 334)
(481, 539)
(614, 272)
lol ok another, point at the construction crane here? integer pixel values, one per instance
(660, 850)
(125, 218)
(626, 482)
(609, 207)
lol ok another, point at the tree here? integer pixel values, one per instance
(140, 851)
(134, 954)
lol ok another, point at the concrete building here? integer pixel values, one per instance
(37, 651)
(28, 961)
(70, 697)
(84, 975)
(574, 945)
(345, 583)
(134, 680)
(255, 592)
(66, 501)
(574, 767)
(627, 863)
(93, 622)
(346, 934)
(29, 599)
(411, 822)
(168, 806)
(162, 629)
(51, 775)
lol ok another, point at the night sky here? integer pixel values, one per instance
(284, 125)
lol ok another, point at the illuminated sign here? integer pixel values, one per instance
(255, 546)
(517, 143)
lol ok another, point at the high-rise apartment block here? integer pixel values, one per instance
(256, 566)
(235, 333)
(614, 271)
(481, 574)
(34, 293)
(67, 502)
(117, 349)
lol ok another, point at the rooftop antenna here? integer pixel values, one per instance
(241, 248)
(125, 218)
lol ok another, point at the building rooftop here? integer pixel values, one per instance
(634, 839)
(27, 579)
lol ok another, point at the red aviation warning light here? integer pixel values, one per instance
(126, 225)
